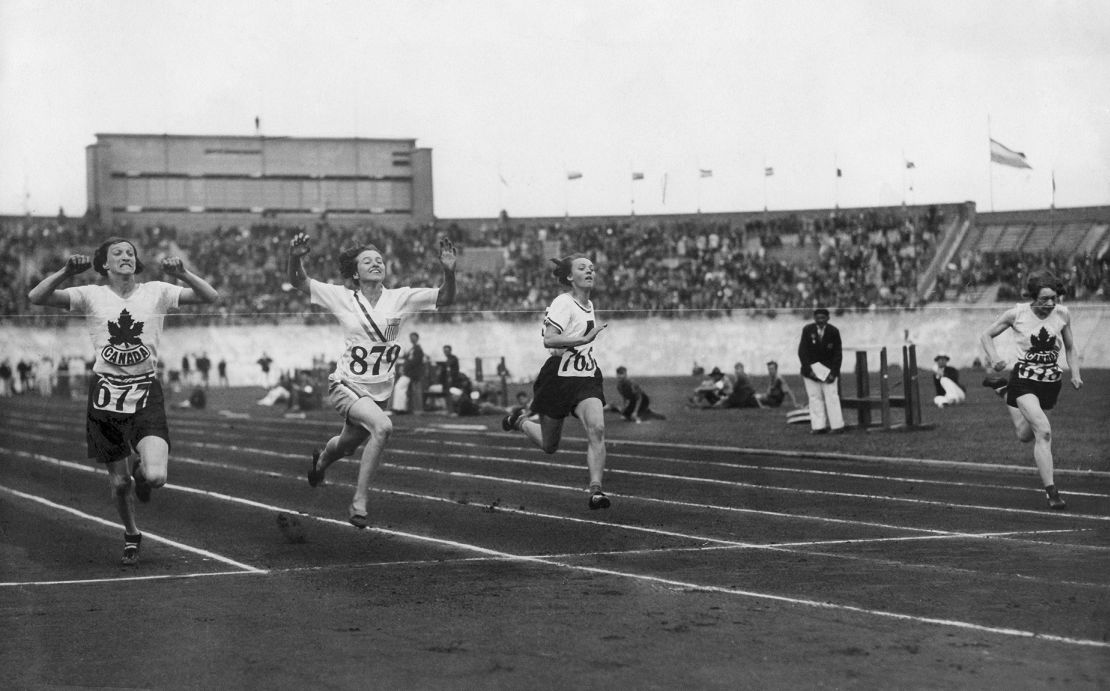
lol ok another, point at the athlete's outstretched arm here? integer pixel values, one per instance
(199, 290)
(298, 248)
(45, 293)
(986, 339)
(447, 257)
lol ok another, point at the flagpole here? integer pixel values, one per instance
(631, 192)
(836, 189)
(990, 168)
(765, 189)
(566, 195)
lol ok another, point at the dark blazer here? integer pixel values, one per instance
(826, 350)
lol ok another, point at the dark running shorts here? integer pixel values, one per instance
(1046, 391)
(120, 412)
(557, 397)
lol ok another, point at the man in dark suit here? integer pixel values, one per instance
(820, 354)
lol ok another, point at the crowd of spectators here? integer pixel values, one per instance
(852, 260)
(1084, 277)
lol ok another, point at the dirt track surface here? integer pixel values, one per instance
(713, 569)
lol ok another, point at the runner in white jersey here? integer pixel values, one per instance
(1040, 328)
(371, 316)
(570, 382)
(126, 408)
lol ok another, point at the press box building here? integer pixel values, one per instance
(198, 182)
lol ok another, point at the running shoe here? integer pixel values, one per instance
(131, 549)
(357, 518)
(315, 475)
(510, 421)
(1055, 501)
(598, 500)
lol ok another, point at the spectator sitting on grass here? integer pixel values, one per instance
(713, 388)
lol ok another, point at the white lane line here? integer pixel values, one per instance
(147, 536)
(121, 579)
(685, 478)
(613, 444)
(684, 585)
(815, 471)
(705, 541)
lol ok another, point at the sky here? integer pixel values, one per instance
(511, 95)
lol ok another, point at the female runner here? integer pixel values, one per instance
(570, 382)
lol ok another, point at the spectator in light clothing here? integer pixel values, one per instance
(946, 381)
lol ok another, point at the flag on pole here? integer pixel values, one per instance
(573, 175)
(839, 173)
(637, 176)
(768, 171)
(910, 165)
(1008, 157)
(705, 173)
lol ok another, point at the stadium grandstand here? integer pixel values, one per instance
(669, 265)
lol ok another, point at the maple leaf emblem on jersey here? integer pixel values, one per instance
(126, 331)
(1042, 342)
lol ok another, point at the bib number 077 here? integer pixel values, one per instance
(125, 398)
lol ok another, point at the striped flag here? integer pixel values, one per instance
(637, 176)
(768, 171)
(573, 175)
(705, 173)
(1008, 157)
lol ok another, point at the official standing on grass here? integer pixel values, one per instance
(820, 352)
(1040, 328)
(371, 316)
(570, 382)
(126, 408)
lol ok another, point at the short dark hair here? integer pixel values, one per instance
(562, 267)
(347, 267)
(821, 310)
(622, 370)
(1039, 280)
(100, 257)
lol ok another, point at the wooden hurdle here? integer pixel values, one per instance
(864, 403)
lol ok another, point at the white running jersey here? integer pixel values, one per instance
(370, 332)
(1039, 342)
(125, 331)
(572, 319)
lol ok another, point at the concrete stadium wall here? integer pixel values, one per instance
(650, 346)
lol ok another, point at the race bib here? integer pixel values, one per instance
(121, 398)
(578, 362)
(376, 361)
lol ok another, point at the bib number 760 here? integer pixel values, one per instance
(124, 398)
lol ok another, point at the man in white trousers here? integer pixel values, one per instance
(820, 352)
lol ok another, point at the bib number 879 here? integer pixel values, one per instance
(361, 358)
